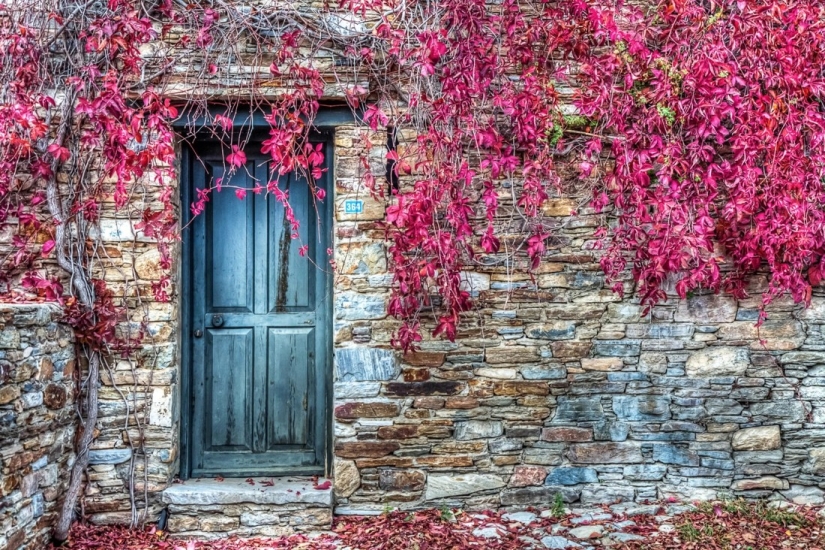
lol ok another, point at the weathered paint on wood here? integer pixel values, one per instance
(258, 373)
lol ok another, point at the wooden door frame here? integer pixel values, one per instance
(324, 131)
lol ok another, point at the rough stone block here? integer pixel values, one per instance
(571, 476)
(364, 364)
(448, 485)
(763, 438)
(604, 453)
(641, 408)
(718, 361)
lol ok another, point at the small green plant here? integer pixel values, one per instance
(667, 114)
(688, 532)
(387, 509)
(446, 513)
(557, 510)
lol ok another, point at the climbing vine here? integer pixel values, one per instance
(695, 126)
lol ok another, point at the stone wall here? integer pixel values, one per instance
(558, 386)
(37, 421)
(554, 386)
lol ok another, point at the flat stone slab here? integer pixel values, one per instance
(291, 490)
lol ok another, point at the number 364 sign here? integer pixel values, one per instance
(353, 206)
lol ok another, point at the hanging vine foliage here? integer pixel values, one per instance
(696, 126)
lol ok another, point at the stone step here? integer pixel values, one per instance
(258, 506)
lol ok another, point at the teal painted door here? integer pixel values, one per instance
(259, 344)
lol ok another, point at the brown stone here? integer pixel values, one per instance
(436, 432)
(449, 447)
(346, 478)
(401, 480)
(762, 438)
(365, 449)
(570, 350)
(567, 434)
(389, 461)
(561, 207)
(423, 388)
(9, 394)
(767, 482)
(416, 375)
(576, 312)
(406, 431)
(461, 403)
(602, 363)
(517, 387)
(366, 410)
(424, 358)
(428, 403)
(604, 453)
(526, 476)
(511, 354)
(55, 396)
(46, 369)
(481, 387)
(444, 461)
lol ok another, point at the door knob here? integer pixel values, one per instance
(217, 320)
(198, 333)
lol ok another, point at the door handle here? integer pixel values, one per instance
(198, 333)
(217, 320)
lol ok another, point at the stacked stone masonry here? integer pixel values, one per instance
(37, 421)
(555, 385)
(584, 396)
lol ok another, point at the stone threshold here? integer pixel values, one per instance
(260, 506)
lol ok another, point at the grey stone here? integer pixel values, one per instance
(587, 532)
(504, 444)
(520, 517)
(489, 532)
(616, 348)
(235, 491)
(800, 494)
(9, 338)
(708, 309)
(578, 409)
(109, 456)
(804, 357)
(478, 429)
(571, 476)
(447, 485)
(356, 390)
(641, 408)
(558, 330)
(555, 542)
(256, 519)
(718, 361)
(543, 373)
(540, 496)
(780, 411)
(362, 364)
(606, 494)
(645, 472)
(352, 306)
(670, 454)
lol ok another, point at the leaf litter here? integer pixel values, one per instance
(730, 525)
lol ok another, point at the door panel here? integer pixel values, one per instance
(229, 389)
(258, 320)
(289, 387)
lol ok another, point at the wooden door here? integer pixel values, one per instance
(256, 327)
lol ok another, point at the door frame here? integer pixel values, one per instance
(324, 131)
